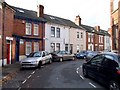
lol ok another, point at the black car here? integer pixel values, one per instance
(105, 68)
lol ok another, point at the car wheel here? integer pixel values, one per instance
(39, 65)
(85, 74)
(61, 59)
(114, 85)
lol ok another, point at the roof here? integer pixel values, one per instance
(93, 30)
(21, 13)
(61, 21)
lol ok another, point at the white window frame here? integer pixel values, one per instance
(58, 46)
(28, 28)
(36, 46)
(28, 45)
(52, 35)
(36, 29)
(58, 32)
(78, 34)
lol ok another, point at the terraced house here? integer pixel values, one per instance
(96, 38)
(63, 34)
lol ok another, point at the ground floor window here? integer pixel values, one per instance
(57, 46)
(66, 47)
(28, 48)
(36, 46)
(52, 47)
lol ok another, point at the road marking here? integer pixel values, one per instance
(77, 72)
(19, 88)
(24, 81)
(82, 77)
(33, 72)
(81, 66)
(92, 85)
(77, 69)
(29, 76)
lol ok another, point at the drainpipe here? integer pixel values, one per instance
(3, 28)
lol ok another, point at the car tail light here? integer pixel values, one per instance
(118, 72)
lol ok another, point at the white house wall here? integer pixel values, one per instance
(81, 42)
(64, 36)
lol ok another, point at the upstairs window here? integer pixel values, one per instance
(58, 32)
(28, 28)
(78, 35)
(36, 29)
(52, 31)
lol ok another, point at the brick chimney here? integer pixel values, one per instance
(78, 20)
(40, 10)
(97, 28)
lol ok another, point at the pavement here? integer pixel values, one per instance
(8, 72)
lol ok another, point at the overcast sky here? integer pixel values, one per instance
(92, 12)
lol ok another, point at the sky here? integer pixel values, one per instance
(92, 12)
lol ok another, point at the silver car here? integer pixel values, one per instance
(36, 59)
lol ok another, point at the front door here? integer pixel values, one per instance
(8, 53)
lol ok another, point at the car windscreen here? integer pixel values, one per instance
(35, 54)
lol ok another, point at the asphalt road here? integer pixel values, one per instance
(66, 74)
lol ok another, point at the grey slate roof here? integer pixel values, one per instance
(93, 30)
(21, 13)
(61, 21)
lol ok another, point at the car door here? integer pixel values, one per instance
(47, 57)
(93, 65)
(108, 68)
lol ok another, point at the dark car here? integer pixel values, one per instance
(105, 68)
(82, 54)
(62, 55)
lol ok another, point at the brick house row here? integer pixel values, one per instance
(96, 38)
(25, 31)
(22, 32)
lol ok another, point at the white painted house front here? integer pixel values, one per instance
(63, 34)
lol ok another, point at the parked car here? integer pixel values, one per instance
(82, 54)
(36, 59)
(90, 55)
(62, 55)
(105, 68)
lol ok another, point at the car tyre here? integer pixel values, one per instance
(114, 85)
(85, 74)
(39, 65)
(61, 59)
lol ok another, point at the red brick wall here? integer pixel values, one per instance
(20, 29)
(8, 26)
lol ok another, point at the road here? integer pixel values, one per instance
(66, 74)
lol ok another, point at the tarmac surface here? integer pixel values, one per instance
(8, 72)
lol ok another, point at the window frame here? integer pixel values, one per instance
(58, 32)
(36, 29)
(53, 30)
(28, 28)
(28, 45)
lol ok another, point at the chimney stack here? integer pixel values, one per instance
(40, 12)
(78, 20)
(97, 28)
